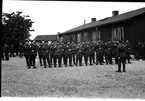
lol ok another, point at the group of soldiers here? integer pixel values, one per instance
(57, 54)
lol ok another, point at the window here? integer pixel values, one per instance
(98, 36)
(118, 34)
(79, 37)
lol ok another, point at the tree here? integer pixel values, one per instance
(16, 27)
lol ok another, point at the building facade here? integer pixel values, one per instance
(127, 26)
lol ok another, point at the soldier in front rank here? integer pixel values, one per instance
(33, 54)
(93, 51)
(114, 52)
(40, 52)
(79, 54)
(85, 47)
(48, 55)
(108, 54)
(45, 55)
(51, 52)
(127, 43)
(99, 54)
(26, 53)
(61, 53)
(74, 52)
(68, 54)
(90, 53)
(121, 54)
(57, 54)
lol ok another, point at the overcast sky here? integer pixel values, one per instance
(51, 17)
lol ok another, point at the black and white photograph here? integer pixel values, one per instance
(73, 49)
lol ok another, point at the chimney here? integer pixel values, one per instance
(93, 19)
(115, 13)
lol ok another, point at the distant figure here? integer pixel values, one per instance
(6, 52)
(121, 54)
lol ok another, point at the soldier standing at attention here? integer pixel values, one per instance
(73, 52)
(60, 46)
(6, 51)
(51, 53)
(56, 52)
(26, 53)
(40, 53)
(128, 51)
(33, 54)
(79, 54)
(85, 52)
(48, 54)
(91, 49)
(121, 54)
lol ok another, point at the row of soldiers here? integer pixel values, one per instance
(8, 50)
(72, 53)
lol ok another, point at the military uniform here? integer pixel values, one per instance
(68, 54)
(79, 54)
(121, 54)
(108, 53)
(40, 53)
(85, 47)
(74, 52)
(26, 54)
(6, 52)
(51, 53)
(21, 48)
(45, 55)
(57, 54)
(91, 53)
(128, 51)
(33, 54)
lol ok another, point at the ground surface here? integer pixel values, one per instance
(85, 81)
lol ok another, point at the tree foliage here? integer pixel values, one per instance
(16, 27)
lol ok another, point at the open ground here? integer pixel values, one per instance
(97, 81)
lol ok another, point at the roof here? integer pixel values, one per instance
(109, 20)
(45, 38)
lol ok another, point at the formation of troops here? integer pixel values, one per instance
(58, 54)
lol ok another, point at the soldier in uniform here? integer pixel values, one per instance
(108, 53)
(40, 53)
(127, 43)
(21, 48)
(91, 53)
(51, 52)
(73, 52)
(85, 47)
(46, 55)
(99, 54)
(121, 54)
(6, 51)
(79, 54)
(12, 51)
(68, 54)
(57, 54)
(33, 54)
(26, 53)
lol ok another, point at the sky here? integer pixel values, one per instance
(51, 17)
